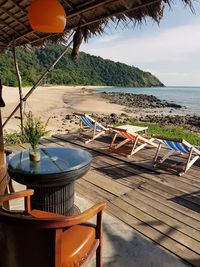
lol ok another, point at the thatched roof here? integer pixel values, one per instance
(91, 15)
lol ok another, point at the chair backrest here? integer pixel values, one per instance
(126, 135)
(91, 123)
(177, 145)
(24, 241)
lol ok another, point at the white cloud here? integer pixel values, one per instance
(107, 39)
(170, 48)
(170, 45)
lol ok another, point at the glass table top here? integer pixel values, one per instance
(53, 160)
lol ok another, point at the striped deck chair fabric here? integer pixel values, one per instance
(89, 124)
(137, 140)
(86, 121)
(176, 147)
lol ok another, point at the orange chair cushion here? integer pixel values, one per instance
(76, 243)
(76, 240)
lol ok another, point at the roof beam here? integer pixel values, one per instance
(18, 6)
(11, 28)
(124, 11)
(67, 2)
(83, 8)
(125, 4)
(12, 17)
(89, 6)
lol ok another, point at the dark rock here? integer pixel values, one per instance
(69, 117)
(113, 115)
(138, 100)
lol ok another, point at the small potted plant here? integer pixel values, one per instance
(33, 130)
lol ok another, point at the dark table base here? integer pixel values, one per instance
(58, 199)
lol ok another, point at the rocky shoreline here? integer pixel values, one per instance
(190, 122)
(138, 100)
(146, 102)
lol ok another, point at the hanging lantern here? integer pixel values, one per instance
(47, 16)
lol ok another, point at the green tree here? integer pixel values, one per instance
(87, 70)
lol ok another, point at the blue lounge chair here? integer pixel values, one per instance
(177, 147)
(88, 123)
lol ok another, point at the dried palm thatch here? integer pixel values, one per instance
(89, 17)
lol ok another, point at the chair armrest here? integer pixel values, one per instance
(26, 194)
(86, 215)
(41, 214)
(68, 221)
(78, 113)
(20, 194)
(113, 128)
(102, 126)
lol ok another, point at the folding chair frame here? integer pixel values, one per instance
(135, 139)
(94, 127)
(190, 160)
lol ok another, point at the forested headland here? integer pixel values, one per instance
(87, 70)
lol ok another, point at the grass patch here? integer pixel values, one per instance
(34, 128)
(14, 138)
(167, 131)
(17, 138)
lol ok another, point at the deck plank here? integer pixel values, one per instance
(164, 214)
(162, 238)
(158, 204)
(105, 183)
(139, 160)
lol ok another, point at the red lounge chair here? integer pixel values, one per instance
(138, 141)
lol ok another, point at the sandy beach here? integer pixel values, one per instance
(59, 102)
(56, 102)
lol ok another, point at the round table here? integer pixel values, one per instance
(52, 178)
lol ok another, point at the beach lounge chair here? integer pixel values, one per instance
(138, 140)
(90, 125)
(176, 147)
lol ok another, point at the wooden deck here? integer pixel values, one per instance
(158, 204)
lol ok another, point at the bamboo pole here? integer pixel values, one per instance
(3, 168)
(19, 85)
(38, 82)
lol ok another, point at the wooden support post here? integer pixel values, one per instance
(37, 83)
(19, 85)
(3, 167)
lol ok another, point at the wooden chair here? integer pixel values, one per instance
(41, 239)
(175, 147)
(88, 123)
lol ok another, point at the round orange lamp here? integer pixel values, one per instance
(47, 16)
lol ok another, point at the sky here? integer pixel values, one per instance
(170, 51)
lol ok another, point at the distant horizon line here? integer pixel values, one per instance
(182, 85)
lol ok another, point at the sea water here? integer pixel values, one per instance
(188, 97)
